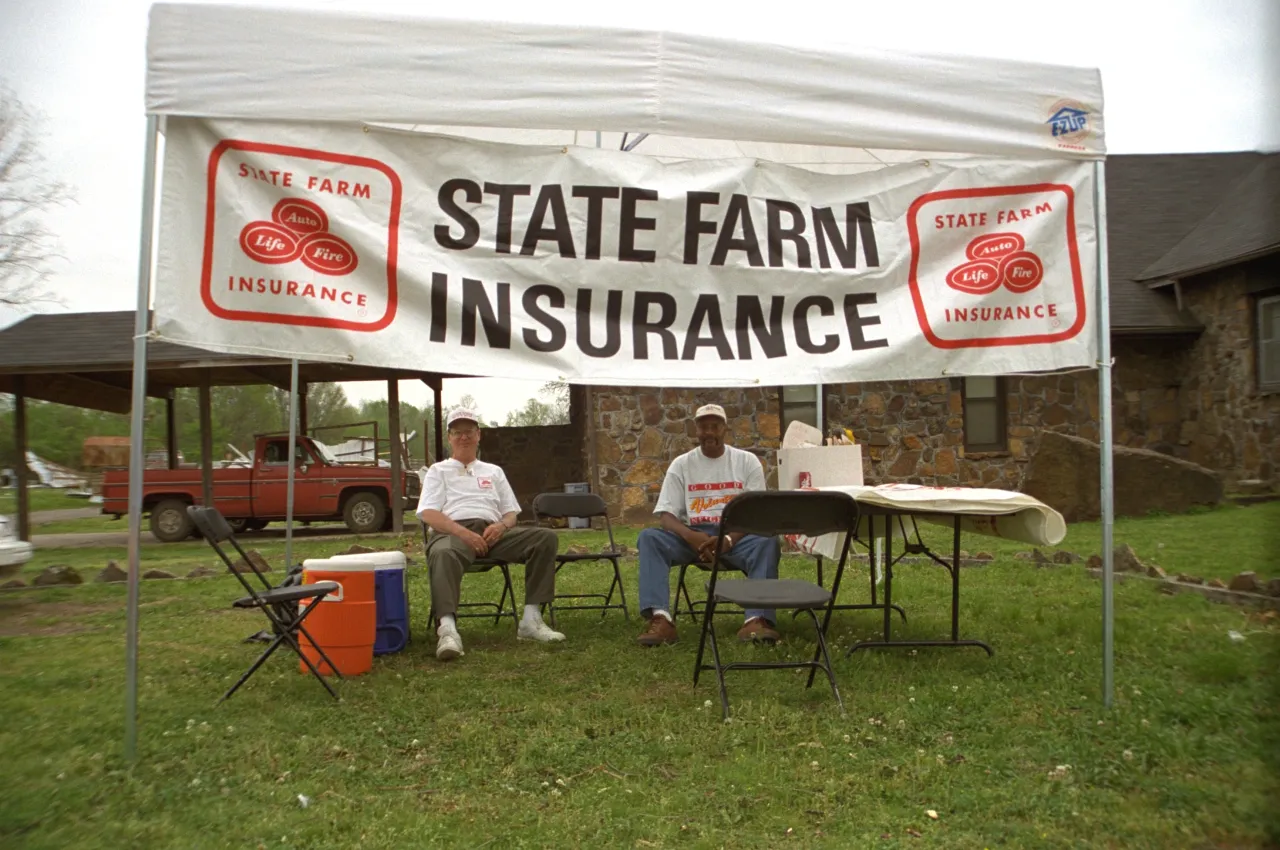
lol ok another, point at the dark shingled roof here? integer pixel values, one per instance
(1245, 224)
(90, 339)
(86, 359)
(1154, 202)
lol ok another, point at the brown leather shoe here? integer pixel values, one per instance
(657, 632)
(757, 629)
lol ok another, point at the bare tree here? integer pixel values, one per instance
(27, 195)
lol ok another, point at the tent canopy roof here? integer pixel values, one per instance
(305, 65)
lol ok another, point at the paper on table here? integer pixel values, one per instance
(801, 434)
(994, 513)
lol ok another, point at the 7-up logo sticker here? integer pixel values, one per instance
(996, 266)
(300, 237)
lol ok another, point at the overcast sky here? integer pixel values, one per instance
(1194, 75)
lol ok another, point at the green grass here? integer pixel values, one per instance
(41, 499)
(599, 743)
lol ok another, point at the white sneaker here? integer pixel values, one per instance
(537, 630)
(449, 646)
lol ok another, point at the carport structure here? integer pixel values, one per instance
(86, 360)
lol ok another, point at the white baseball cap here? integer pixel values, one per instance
(462, 414)
(711, 410)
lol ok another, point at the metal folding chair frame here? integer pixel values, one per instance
(479, 565)
(586, 505)
(213, 527)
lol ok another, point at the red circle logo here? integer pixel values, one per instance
(302, 217)
(976, 278)
(1021, 271)
(268, 242)
(327, 254)
(993, 246)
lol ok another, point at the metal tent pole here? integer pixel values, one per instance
(1105, 472)
(137, 422)
(293, 462)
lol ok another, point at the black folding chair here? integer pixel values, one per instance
(279, 604)
(586, 505)
(479, 565)
(788, 512)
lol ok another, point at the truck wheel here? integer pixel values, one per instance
(364, 513)
(238, 525)
(170, 523)
(255, 524)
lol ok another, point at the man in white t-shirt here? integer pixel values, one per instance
(698, 485)
(472, 510)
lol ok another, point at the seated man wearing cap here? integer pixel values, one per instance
(698, 485)
(472, 511)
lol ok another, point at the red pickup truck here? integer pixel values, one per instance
(250, 496)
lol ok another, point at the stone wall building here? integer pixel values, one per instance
(1195, 294)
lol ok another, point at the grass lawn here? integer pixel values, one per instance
(42, 499)
(599, 743)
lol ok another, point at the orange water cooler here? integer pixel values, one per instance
(346, 623)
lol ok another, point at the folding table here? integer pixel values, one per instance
(896, 509)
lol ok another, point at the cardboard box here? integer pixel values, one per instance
(826, 465)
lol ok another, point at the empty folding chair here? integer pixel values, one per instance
(280, 605)
(585, 505)
(811, 513)
(480, 565)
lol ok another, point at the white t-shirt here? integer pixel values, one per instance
(697, 487)
(477, 490)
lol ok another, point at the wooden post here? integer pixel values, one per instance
(303, 425)
(20, 444)
(206, 441)
(397, 465)
(171, 430)
(439, 423)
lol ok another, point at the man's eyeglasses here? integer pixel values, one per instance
(468, 432)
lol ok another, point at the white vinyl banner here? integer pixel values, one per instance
(452, 255)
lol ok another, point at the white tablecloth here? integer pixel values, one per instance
(995, 513)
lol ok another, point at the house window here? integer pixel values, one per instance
(799, 402)
(1269, 344)
(984, 418)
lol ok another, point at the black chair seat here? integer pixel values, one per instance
(570, 557)
(780, 593)
(287, 594)
(483, 565)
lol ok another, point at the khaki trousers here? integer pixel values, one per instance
(448, 558)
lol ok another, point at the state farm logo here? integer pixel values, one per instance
(996, 266)
(298, 230)
(995, 260)
(317, 259)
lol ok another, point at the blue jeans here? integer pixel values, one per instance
(659, 549)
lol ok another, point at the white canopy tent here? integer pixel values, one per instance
(218, 73)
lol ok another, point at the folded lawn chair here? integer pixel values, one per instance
(587, 505)
(278, 604)
(810, 513)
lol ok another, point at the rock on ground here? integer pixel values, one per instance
(1063, 474)
(57, 574)
(112, 572)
